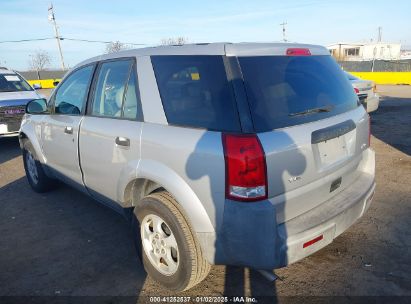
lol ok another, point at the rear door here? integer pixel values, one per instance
(60, 129)
(110, 133)
(310, 125)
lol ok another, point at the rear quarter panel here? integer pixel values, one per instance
(189, 163)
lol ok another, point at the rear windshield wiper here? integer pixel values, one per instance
(311, 111)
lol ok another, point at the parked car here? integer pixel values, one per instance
(15, 93)
(245, 154)
(365, 90)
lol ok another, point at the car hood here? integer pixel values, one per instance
(17, 98)
(24, 95)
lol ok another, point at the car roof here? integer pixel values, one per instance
(4, 70)
(219, 48)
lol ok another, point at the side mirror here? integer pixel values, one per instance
(56, 82)
(37, 86)
(37, 106)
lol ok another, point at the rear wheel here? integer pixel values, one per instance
(171, 255)
(35, 174)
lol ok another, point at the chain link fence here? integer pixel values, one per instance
(34, 75)
(379, 66)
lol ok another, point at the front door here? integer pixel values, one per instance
(61, 127)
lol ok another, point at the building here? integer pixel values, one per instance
(365, 51)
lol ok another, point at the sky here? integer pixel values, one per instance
(147, 22)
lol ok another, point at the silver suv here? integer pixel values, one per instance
(244, 154)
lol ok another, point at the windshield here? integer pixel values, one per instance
(13, 83)
(290, 90)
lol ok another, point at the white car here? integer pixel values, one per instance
(365, 90)
(15, 93)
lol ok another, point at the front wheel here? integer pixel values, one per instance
(35, 174)
(171, 255)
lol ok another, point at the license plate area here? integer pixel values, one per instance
(332, 150)
(334, 145)
(3, 129)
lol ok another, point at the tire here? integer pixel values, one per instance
(182, 267)
(35, 174)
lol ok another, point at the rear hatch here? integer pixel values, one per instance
(310, 125)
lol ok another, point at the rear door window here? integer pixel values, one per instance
(195, 92)
(131, 98)
(280, 89)
(111, 85)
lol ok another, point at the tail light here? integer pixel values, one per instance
(245, 166)
(356, 91)
(298, 52)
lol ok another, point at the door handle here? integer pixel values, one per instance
(68, 130)
(122, 141)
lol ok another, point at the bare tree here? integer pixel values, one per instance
(115, 46)
(39, 60)
(174, 41)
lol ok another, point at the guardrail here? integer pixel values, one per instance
(44, 83)
(385, 77)
(377, 77)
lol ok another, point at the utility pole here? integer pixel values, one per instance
(379, 34)
(373, 58)
(53, 19)
(283, 25)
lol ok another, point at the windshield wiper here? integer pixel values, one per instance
(311, 111)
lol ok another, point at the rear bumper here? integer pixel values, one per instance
(250, 236)
(373, 103)
(325, 222)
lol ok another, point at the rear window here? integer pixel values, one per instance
(281, 88)
(195, 92)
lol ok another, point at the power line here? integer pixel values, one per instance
(70, 39)
(26, 40)
(98, 41)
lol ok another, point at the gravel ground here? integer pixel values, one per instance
(63, 243)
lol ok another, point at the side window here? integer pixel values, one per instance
(110, 88)
(72, 94)
(131, 99)
(195, 92)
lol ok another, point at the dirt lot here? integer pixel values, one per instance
(63, 243)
